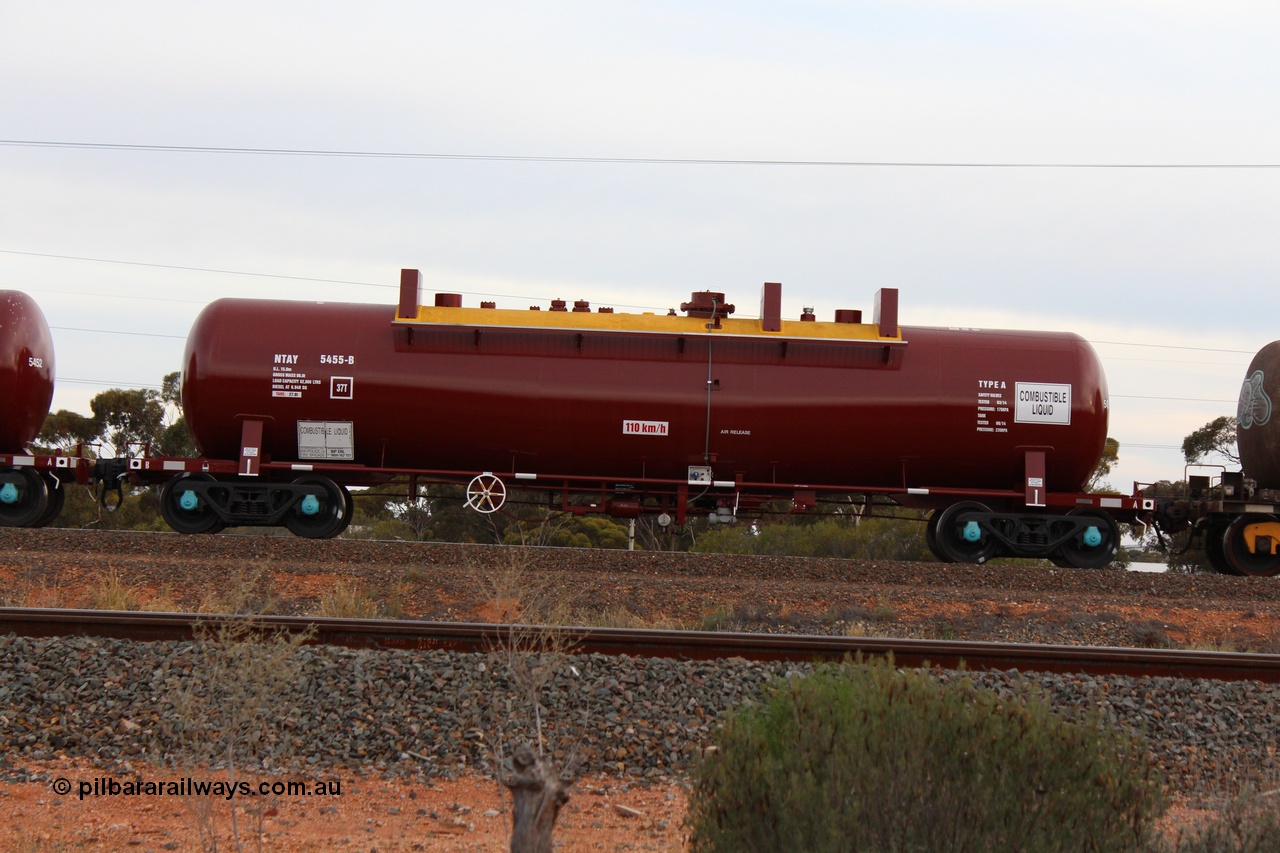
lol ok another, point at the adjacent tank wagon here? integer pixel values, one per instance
(26, 388)
(26, 369)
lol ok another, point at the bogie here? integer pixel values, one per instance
(969, 532)
(1250, 545)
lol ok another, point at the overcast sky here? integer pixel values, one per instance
(1020, 181)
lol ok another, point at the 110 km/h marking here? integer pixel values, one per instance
(644, 427)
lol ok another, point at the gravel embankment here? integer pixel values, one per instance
(437, 713)
(61, 568)
(417, 713)
(215, 554)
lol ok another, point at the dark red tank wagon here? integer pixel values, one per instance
(617, 397)
(291, 403)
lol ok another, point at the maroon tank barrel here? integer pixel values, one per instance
(1257, 424)
(26, 370)
(939, 408)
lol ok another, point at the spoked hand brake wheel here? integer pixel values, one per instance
(486, 493)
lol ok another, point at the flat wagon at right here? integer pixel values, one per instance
(1236, 514)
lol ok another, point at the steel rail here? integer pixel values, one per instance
(692, 645)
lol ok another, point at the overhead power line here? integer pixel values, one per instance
(194, 269)
(119, 332)
(657, 161)
(1173, 346)
(259, 274)
(65, 379)
(476, 293)
(1175, 399)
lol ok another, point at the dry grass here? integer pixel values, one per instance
(245, 589)
(231, 711)
(528, 597)
(531, 656)
(163, 601)
(110, 592)
(623, 617)
(349, 601)
(30, 594)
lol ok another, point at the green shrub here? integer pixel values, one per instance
(873, 539)
(861, 757)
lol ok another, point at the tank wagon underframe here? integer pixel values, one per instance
(314, 501)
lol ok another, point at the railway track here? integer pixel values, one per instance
(701, 645)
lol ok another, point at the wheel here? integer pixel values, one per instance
(931, 537)
(321, 510)
(57, 498)
(23, 497)
(486, 493)
(185, 509)
(1249, 545)
(960, 536)
(1095, 546)
(1215, 549)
